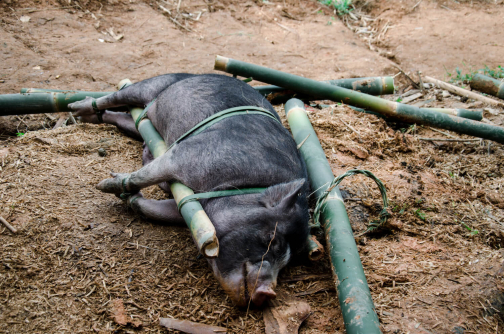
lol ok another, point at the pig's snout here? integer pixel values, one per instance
(262, 294)
(248, 284)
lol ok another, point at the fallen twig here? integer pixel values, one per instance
(415, 85)
(71, 118)
(445, 133)
(187, 326)
(314, 290)
(137, 245)
(446, 139)
(9, 226)
(463, 92)
(298, 278)
(177, 23)
(415, 6)
(411, 98)
(420, 82)
(60, 121)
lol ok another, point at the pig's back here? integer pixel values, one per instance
(238, 151)
(186, 103)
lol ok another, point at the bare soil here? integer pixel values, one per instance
(81, 261)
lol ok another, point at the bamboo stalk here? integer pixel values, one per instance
(41, 102)
(475, 114)
(199, 224)
(357, 306)
(463, 92)
(368, 85)
(488, 85)
(9, 226)
(387, 108)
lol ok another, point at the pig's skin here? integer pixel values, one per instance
(258, 233)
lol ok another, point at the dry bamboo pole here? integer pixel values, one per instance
(463, 92)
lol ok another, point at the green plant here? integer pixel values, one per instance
(420, 214)
(399, 99)
(20, 134)
(497, 73)
(470, 229)
(403, 209)
(342, 6)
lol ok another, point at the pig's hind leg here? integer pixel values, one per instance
(160, 170)
(147, 158)
(158, 210)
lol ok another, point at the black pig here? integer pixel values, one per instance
(242, 151)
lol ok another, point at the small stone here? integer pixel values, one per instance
(446, 93)
(102, 152)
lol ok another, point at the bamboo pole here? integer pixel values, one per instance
(199, 224)
(357, 306)
(41, 102)
(488, 85)
(463, 92)
(370, 85)
(387, 108)
(67, 91)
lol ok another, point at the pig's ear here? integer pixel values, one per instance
(282, 195)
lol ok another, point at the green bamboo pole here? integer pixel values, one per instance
(488, 85)
(353, 291)
(67, 91)
(39, 103)
(387, 108)
(371, 86)
(368, 85)
(199, 224)
(476, 114)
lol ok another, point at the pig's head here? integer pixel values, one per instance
(258, 235)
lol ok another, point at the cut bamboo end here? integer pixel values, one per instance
(488, 85)
(221, 63)
(124, 83)
(315, 249)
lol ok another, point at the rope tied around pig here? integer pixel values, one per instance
(98, 112)
(373, 225)
(198, 128)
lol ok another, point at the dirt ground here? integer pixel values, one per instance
(437, 268)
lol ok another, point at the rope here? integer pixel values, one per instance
(373, 225)
(220, 193)
(98, 112)
(143, 114)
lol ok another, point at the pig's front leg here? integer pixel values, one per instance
(159, 210)
(159, 170)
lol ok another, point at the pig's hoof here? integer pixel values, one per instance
(115, 185)
(83, 107)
